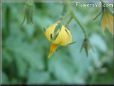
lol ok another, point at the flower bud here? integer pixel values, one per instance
(107, 21)
(58, 34)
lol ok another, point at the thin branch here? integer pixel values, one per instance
(76, 19)
(67, 23)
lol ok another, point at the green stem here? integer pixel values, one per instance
(82, 28)
(76, 19)
(67, 23)
(64, 17)
(6, 31)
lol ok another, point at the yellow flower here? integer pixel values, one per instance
(58, 36)
(107, 21)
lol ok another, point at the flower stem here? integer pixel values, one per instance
(82, 28)
(76, 19)
(67, 23)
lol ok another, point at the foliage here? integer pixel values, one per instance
(25, 47)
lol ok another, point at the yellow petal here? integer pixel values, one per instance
(52, 50)
(110, 23)
(64, 37)
(104, 21)
(50, 30)
(107, 22)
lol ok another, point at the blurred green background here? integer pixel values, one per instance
(25, 47)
